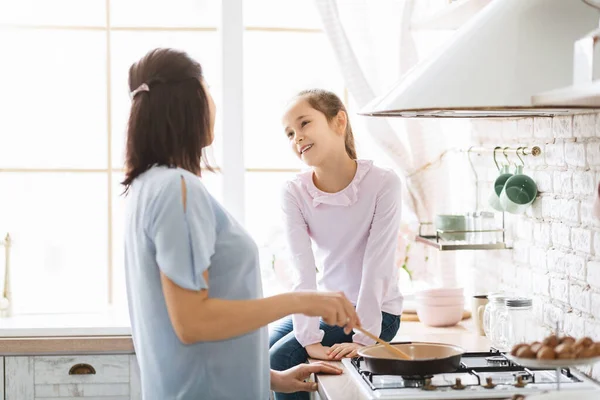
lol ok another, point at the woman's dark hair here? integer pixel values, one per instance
(330, 104)
(170, 123)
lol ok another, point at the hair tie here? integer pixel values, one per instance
(142, 88)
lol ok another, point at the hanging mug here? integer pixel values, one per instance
(519, 192)
(494, 199)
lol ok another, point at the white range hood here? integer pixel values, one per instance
(493, 66)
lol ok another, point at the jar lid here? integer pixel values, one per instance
(519, 302)
(499, 298)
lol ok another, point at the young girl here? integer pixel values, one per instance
(350, 209)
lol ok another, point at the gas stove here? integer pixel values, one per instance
(487, 375)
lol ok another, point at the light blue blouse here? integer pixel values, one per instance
(161, 236)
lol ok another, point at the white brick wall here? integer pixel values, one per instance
(563, 182)
(575, 266)
(562, 127)
(593, 154)
(542, 236)
(575, 154)
(542, 128)
(561, 233)
(581, 240)
(559, 289)
(583, 182)
(556, 255)
(555, 154)
(556, 261)
(584, 126)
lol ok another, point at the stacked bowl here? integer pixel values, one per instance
(440, 306)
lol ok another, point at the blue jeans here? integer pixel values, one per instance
(285, 351)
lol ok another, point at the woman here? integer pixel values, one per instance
(350, 209)
(193, 278)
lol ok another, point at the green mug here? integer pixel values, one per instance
(494, 200)
(518, 193)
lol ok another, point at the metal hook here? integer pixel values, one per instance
(506, 155)
(517, 153)
(496, 162)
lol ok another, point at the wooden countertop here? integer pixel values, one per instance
(22, 346)
(342, 387)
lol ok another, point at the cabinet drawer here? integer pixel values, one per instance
(99, 369)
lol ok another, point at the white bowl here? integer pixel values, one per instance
(441, 292)
(440, 301)
(440, 315)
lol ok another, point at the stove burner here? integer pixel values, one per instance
(497, 361)
(416, 380)
(413, 382)
(526, 376)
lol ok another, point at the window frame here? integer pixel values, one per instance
(231, 32)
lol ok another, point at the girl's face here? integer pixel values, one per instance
(212, 109)
(311, 137)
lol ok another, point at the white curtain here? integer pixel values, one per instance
(374, 47)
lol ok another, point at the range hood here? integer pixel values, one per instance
(493, 66)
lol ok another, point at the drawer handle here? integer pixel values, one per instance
(82, 369)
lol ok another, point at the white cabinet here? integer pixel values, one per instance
(105, 377)
(1, 375)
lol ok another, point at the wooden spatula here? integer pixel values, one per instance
(394, 350)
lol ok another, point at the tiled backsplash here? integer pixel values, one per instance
(556, 255)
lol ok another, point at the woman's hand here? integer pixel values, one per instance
(341, 350)
(293, 379)
(318, 351)
(334, 308)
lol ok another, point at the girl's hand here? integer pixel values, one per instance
(341, 350)
(318, 351)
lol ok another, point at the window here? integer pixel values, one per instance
(65, 106)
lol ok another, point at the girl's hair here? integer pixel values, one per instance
(330, 104)
(170, 120)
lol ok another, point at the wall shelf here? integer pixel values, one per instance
(438, 244)
(452, 16)
(436, 239)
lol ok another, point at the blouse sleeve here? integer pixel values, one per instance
(184, 239)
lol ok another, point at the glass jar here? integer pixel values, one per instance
(470, 223)
(488, 223)
(492, 313)
(476, 237)
(516, 324)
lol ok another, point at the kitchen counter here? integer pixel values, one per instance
(50, 325)
(97, 333)
(341, 387)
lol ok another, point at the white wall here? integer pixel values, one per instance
(556, 255)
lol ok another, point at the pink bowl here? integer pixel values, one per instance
(441, 292)
(440, 315)
(440, 301)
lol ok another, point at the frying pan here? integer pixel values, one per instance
(428, 359)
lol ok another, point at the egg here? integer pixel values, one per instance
(516, 348)
(567, 339)
(546, 353)
(551, 341)
(536, 346)
(587, 352)
(585, 341)
(525, 352)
